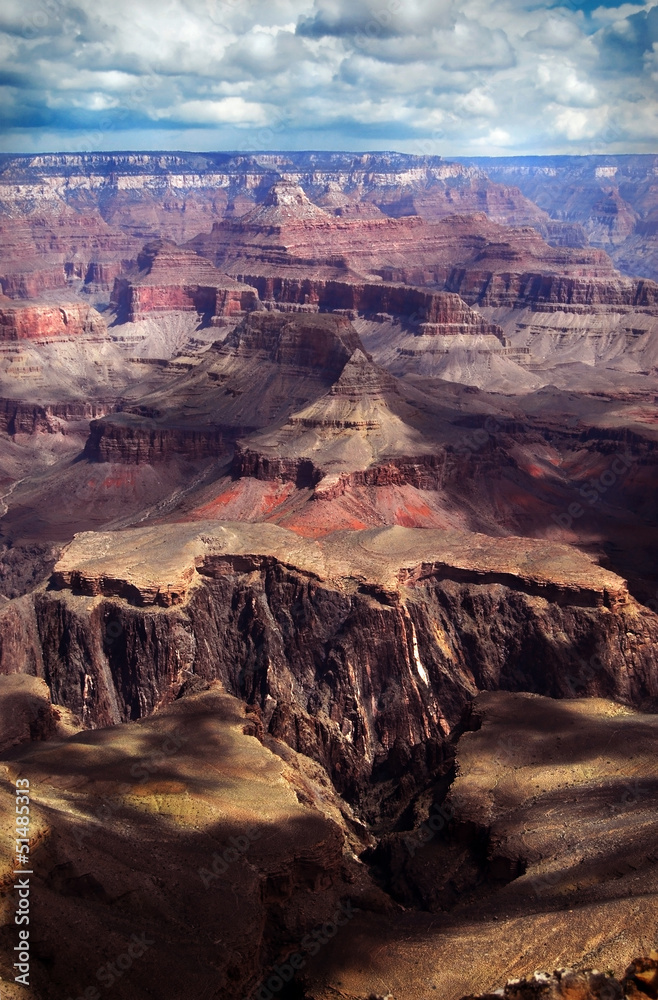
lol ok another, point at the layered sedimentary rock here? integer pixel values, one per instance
(552, 291)
(20, 321)
(59, 247)
(255, 376)
(168, 278)
(127, 439)
(468, 254)
(174, 194)
(433, 313)
(360, 653)
(611, 197)
(19, 417)
(362, 419)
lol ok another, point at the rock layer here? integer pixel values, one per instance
(171, 279)
(41, 322)
(361, 655)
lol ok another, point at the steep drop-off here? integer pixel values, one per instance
(359, 652)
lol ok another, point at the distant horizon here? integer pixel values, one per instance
(174, 151)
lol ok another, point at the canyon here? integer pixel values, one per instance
(334, 475)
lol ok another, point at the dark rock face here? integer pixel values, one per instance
(141, 442)
(360, 681)
(18, 417)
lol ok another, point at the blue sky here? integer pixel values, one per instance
(446, 77)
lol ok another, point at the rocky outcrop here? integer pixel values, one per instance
(18, 417)
(611, 197)
(170, 278)
(361, 654)
(302, 472)
(322, 344)
(132, 440)
(640, 980)
(28, 715)
(253, 377)
(118, 817)
(284, 203)
(57, 247)
(544, 291)
(433, 313)
(43, 321)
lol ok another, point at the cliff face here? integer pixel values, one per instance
(541, 290)
(168, 278)
(18, 417)
(40, 322)
(438, 313)
(59, 246)
(132, 441)
(365, 669)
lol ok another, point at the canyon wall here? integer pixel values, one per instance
(41, 321)
(446, 313)
(363, 670)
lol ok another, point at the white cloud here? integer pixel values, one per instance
(485, 74)
(233, 110)
(477, 103)
(497, 139)
(576, 124)
(560, 81)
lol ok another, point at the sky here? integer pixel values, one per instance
(436, 77)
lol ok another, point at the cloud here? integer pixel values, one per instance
(443, 76)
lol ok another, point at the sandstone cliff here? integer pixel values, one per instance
(167, 278)
(42, 321)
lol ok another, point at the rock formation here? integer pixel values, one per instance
(639, 980)
(33, 321)
(353, 496)
(360, 655)
(168, 278)
(182, 832)
(611, 197)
